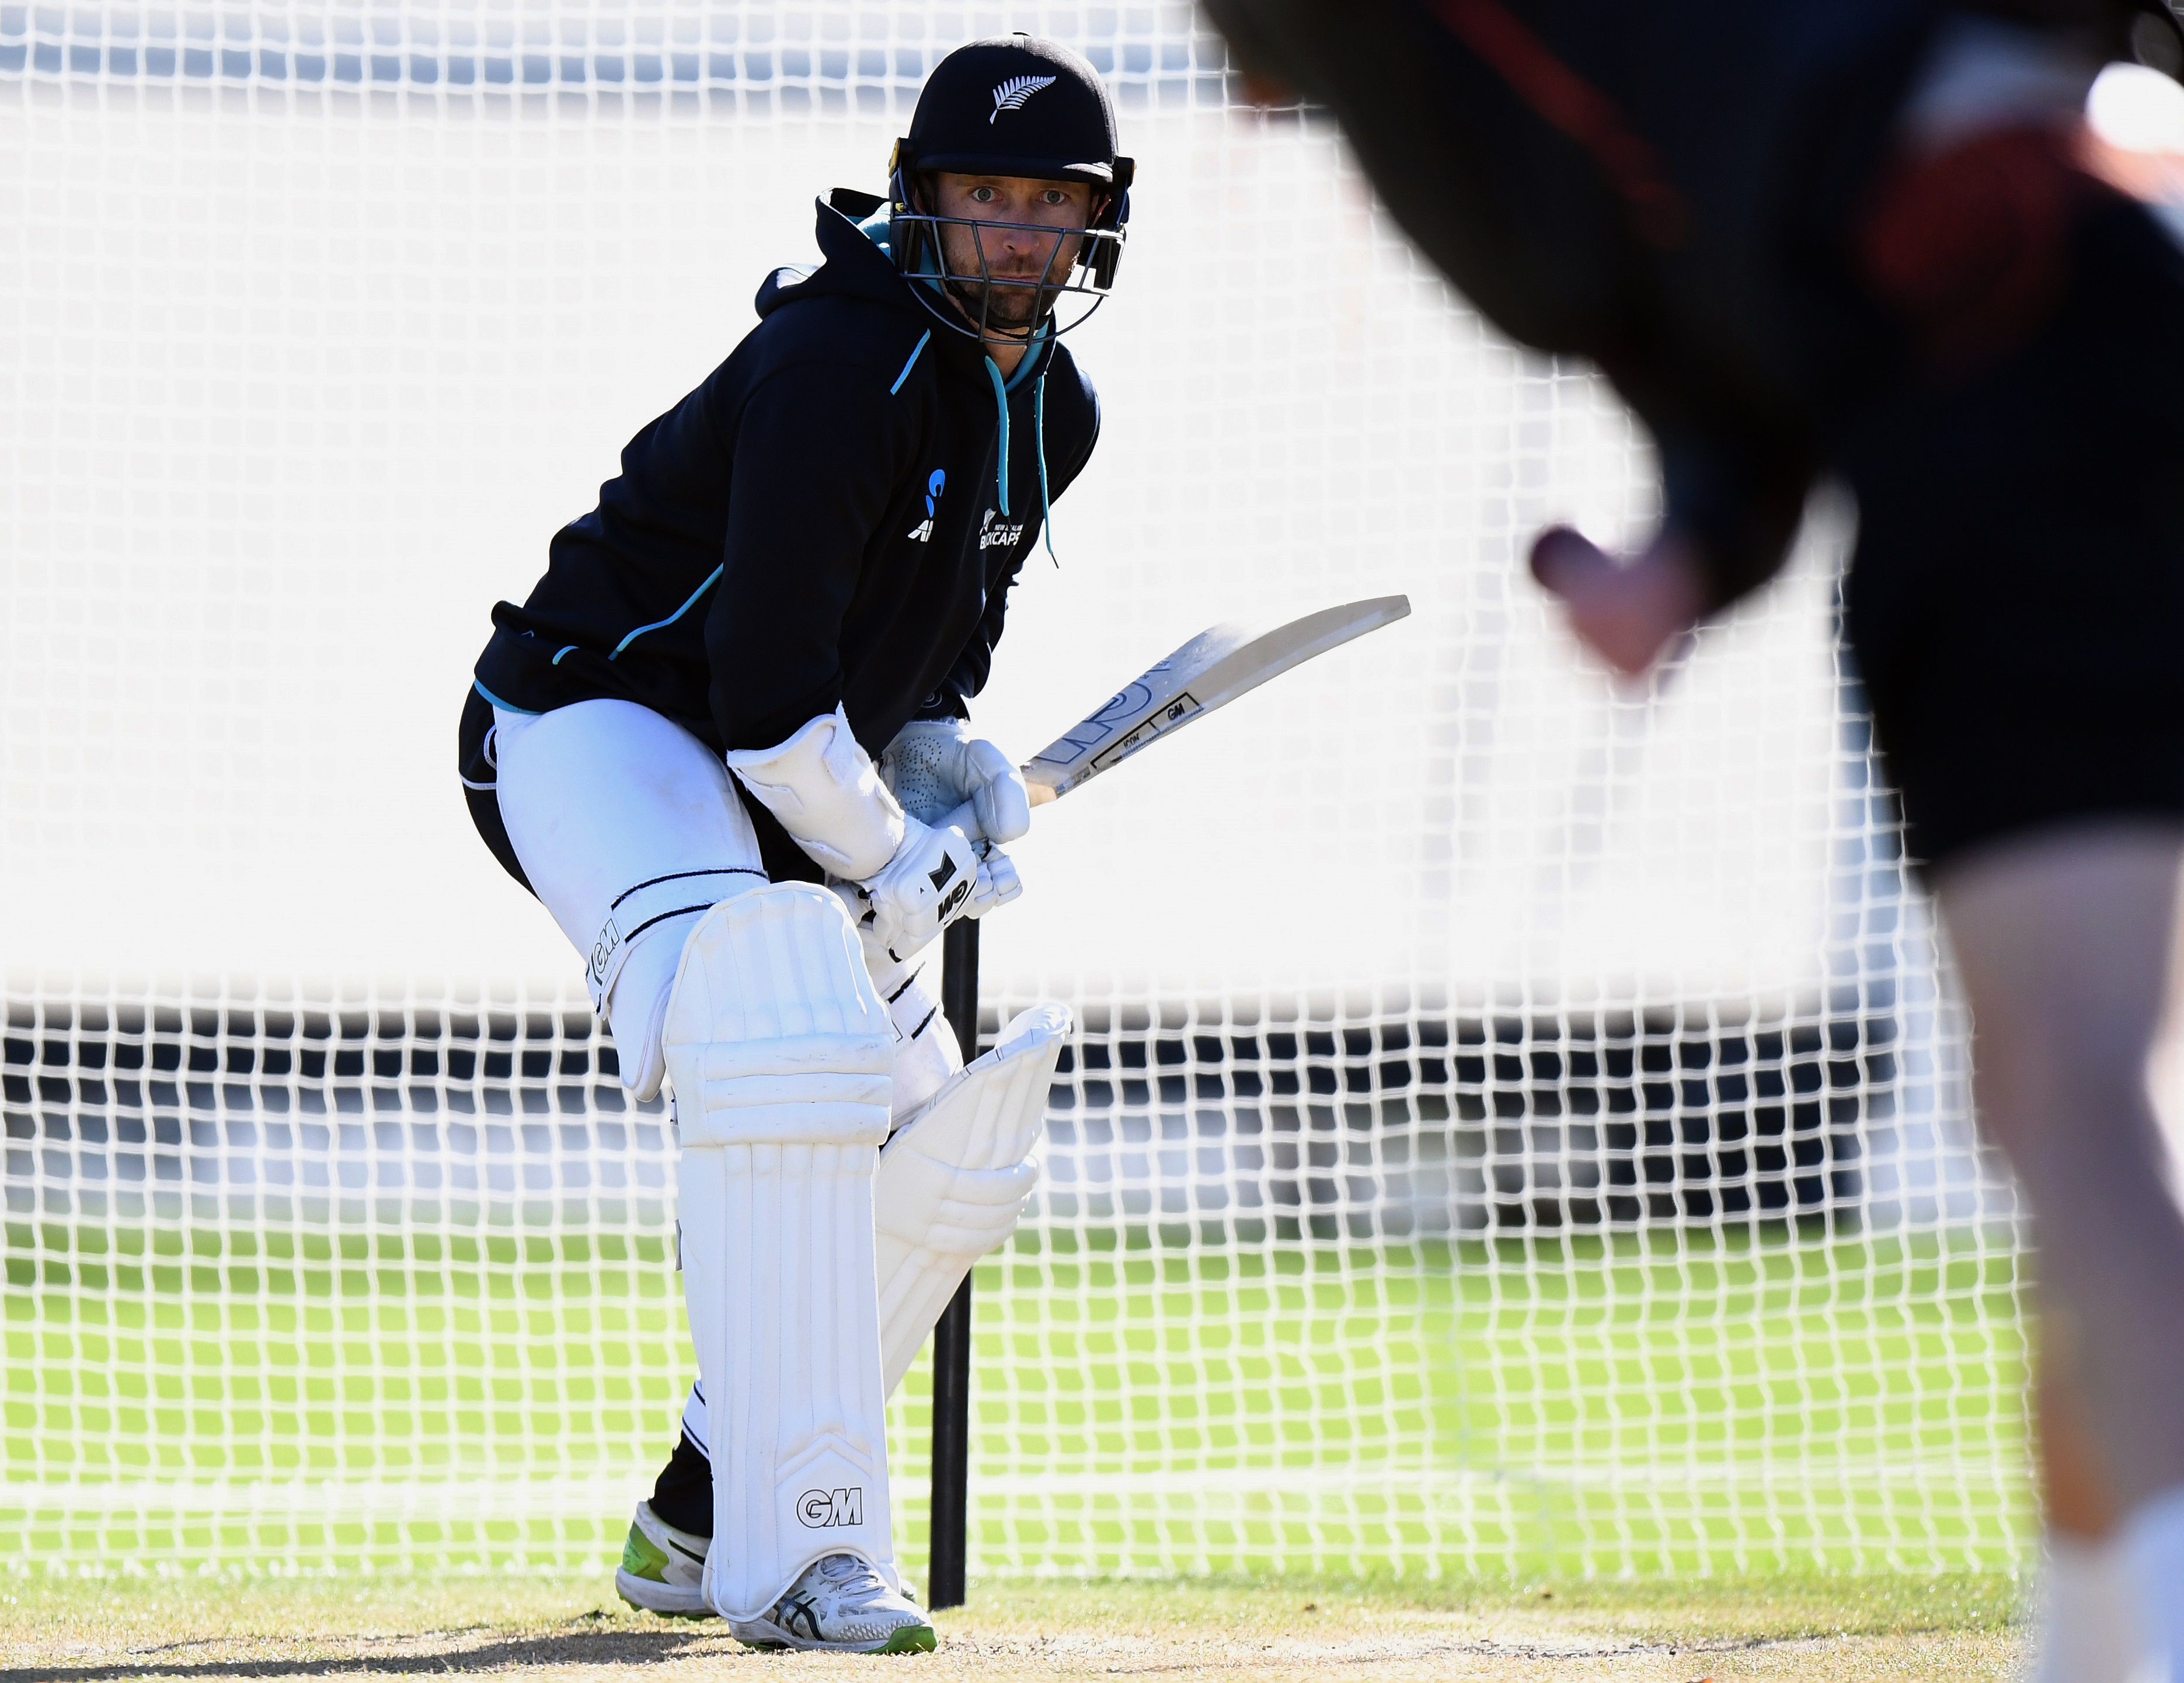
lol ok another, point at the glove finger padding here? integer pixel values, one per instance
(998, 882)
(996, 791)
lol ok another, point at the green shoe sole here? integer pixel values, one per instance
(911, 1639)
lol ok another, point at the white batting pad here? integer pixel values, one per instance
(779, 1047)
(953, 1181)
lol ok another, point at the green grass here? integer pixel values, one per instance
(1646, 1404)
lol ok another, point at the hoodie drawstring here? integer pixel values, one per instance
(1001, 403)
(1039, 423)
(1045, 504)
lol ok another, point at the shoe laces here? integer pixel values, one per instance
(851, 1578)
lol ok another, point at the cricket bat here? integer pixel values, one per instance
(1216, 666)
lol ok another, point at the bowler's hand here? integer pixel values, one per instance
(1626, 612)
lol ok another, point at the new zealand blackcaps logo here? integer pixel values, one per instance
(1011, 95)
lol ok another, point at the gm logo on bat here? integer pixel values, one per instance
(1174, 713)
(1092, 731)
(819, 1509)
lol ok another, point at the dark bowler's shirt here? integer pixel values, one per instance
(1666, 188)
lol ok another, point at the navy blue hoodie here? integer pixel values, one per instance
(1665, 187)
(835, 516)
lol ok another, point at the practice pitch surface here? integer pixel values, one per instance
(1959, 1627)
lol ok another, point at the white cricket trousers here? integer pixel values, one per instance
(629, 829)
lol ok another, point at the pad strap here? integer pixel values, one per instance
(694, 1413)
(649, 903)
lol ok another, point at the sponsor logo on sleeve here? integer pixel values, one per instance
(923, 532)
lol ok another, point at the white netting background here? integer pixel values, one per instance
(1515, 1121)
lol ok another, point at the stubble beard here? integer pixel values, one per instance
(1011, 310)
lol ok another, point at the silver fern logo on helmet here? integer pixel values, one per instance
(1011, 95)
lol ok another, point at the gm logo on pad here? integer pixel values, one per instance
(602, 949)
(819, 1509)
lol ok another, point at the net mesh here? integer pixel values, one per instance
(1516, 1122)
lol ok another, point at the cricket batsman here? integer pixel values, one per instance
(1870, 240)
(715, 740)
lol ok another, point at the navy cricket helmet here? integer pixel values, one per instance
(1020, 107)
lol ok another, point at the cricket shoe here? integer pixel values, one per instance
(663, 1570)
(842, 1605)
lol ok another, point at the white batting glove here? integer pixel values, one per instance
(894, 937)
(934, 766)
(904, 875)
(996, 791)
(930, 881)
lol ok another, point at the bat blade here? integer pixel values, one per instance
(1216, 666)
(1211, 670)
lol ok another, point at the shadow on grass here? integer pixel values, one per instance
(635, 1648)
(404, 1656)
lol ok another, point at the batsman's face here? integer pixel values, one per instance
(1020, 231)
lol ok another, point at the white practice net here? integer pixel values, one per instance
(1518, 1121)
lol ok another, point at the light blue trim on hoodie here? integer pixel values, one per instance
(917, 352)
(712, 579)
(505, 706)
